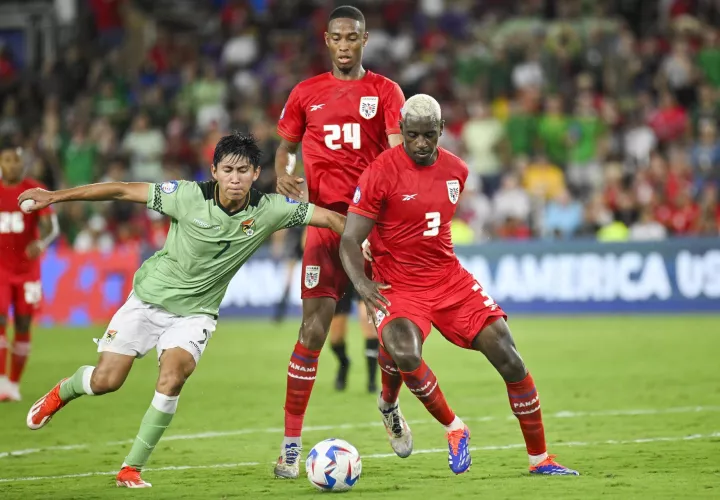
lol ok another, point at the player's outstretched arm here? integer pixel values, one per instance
(104, 191)
(323, 217)
(288, 184)
(357, 229)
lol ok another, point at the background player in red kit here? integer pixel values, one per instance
(409, 195)
(344, 118)
(23, 238)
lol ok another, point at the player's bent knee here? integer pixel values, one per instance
(407, 361)
(106, 381)
(110, 373)
(512, 368)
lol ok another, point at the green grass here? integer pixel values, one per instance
(607, 364)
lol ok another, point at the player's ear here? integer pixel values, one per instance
(327, 39)
(365, 38)
(256, 173)
(442, 127)
(213, 171)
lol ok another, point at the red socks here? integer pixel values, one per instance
(302, 371)
(424, 385)
(525, 404)
(3, 352)
(20, 352)
(389, 376)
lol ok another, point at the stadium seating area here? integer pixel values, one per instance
(577, 118)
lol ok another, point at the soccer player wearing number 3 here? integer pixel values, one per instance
(409, 195)
(344, 118)
(216, 227)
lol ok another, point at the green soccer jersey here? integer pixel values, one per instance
(206, 246)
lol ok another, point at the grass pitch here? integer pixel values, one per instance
(633, 403)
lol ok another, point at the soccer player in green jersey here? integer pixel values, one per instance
(216, 227)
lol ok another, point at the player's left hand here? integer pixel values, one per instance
(42, 198)
(371, 293)
(34, 249)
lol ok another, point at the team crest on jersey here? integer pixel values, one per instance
(248, 226)
(169, 187)
(368, 106)
(109, 336)
(356, 197)
(453, 190)
(312, 276)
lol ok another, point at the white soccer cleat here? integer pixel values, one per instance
(288, 464)
(12, 392)
(397, 428)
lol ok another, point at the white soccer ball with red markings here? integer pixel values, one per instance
(333, 465)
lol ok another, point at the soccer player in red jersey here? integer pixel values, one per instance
(344, 119)
(409, 195)
(23, 238)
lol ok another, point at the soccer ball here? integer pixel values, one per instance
(333, 465)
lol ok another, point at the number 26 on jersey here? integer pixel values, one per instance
(337, 135)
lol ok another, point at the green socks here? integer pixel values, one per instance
(77, 385)
(154, 423)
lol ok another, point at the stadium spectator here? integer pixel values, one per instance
(563, 216)
(624, 109)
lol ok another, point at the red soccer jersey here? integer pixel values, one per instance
(343, 126)
(413, 206)
(17, 231)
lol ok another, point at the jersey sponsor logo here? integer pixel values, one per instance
(408, 197)
(368, 106)
(248, 226)
(312, 276)
(290, 200)
(315, 107)
(356, 196)
(453, 188)
(204, 224)
(169, 187)
(109, 336)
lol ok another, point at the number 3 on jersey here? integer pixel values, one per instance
(350, 135)
(433, 219)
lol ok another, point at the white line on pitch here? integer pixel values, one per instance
(691, 437)
(324, 428)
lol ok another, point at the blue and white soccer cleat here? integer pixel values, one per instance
(549, 467)
(459, 450)
(288, 464)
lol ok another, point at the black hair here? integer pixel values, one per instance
(6, 143)
(238, 145)
(347, 12)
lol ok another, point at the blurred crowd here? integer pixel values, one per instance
(577, 118)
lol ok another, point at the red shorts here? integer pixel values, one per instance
(458, 308)
(322, 272)
(23, 293)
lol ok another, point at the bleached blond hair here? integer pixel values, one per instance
(421, 106)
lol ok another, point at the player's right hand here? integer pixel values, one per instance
(371, 293)
(42, 198)
(289, 185)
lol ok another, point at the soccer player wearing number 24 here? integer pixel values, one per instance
(344, 118)
(409, 194)
(216, 227)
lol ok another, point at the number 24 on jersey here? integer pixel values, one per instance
(336, 135)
